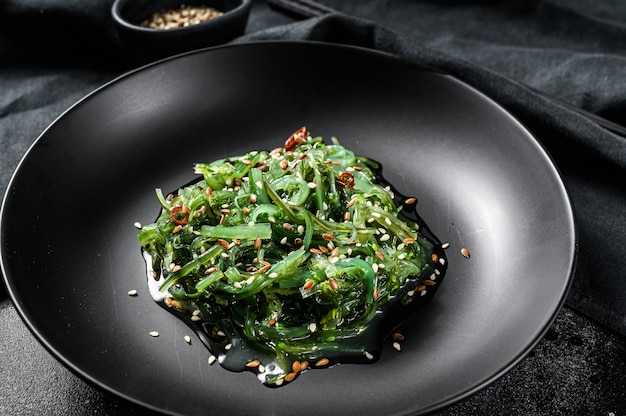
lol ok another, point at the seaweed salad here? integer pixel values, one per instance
(292, 259)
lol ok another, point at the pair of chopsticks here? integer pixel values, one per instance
(300, 8)
(309, 8)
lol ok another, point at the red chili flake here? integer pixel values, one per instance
(298, 137)
(346, 179)
(180, 214)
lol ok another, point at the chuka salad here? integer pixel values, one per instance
(290, 259)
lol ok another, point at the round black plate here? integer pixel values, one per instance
(70, 253)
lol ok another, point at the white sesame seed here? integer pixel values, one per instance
(375, 267)
(368, 355)
(312, 327)
(396, 346)
(385, 237)
(228, 346)
(311, 185)
(187, 339)
(221, 334)
(442, 261)
(423, 292)
(375, 214)
(387, 221)
(132, 292)
(195, 318)
(410, 292)
(445, 245)
(300, 229)
(381, 265)
(333, 259)
(401, 256)
(196, 312)
(283, 240)
(400, 246)
(154, 334)
(273, 275)
(138, 225)
(212, 359)
(370, 220)
(261, 368)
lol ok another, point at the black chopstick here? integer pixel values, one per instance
(300, 8)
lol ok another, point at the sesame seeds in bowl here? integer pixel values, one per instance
(181, 16)
(152, 30)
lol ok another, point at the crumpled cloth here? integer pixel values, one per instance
(508, 50)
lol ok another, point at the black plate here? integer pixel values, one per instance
(70, 254)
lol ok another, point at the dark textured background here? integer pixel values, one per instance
(537, 58)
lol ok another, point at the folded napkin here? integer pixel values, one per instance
(508, 50)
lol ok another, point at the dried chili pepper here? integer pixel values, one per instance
(298, 137)
(180, 214)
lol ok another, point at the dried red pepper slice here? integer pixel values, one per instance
(346, 179)
(180, 214)
(298, 137)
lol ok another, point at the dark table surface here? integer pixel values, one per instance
(578, 368)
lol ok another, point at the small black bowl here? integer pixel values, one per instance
(146, 44)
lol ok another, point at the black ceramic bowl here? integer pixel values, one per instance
(147, 44)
